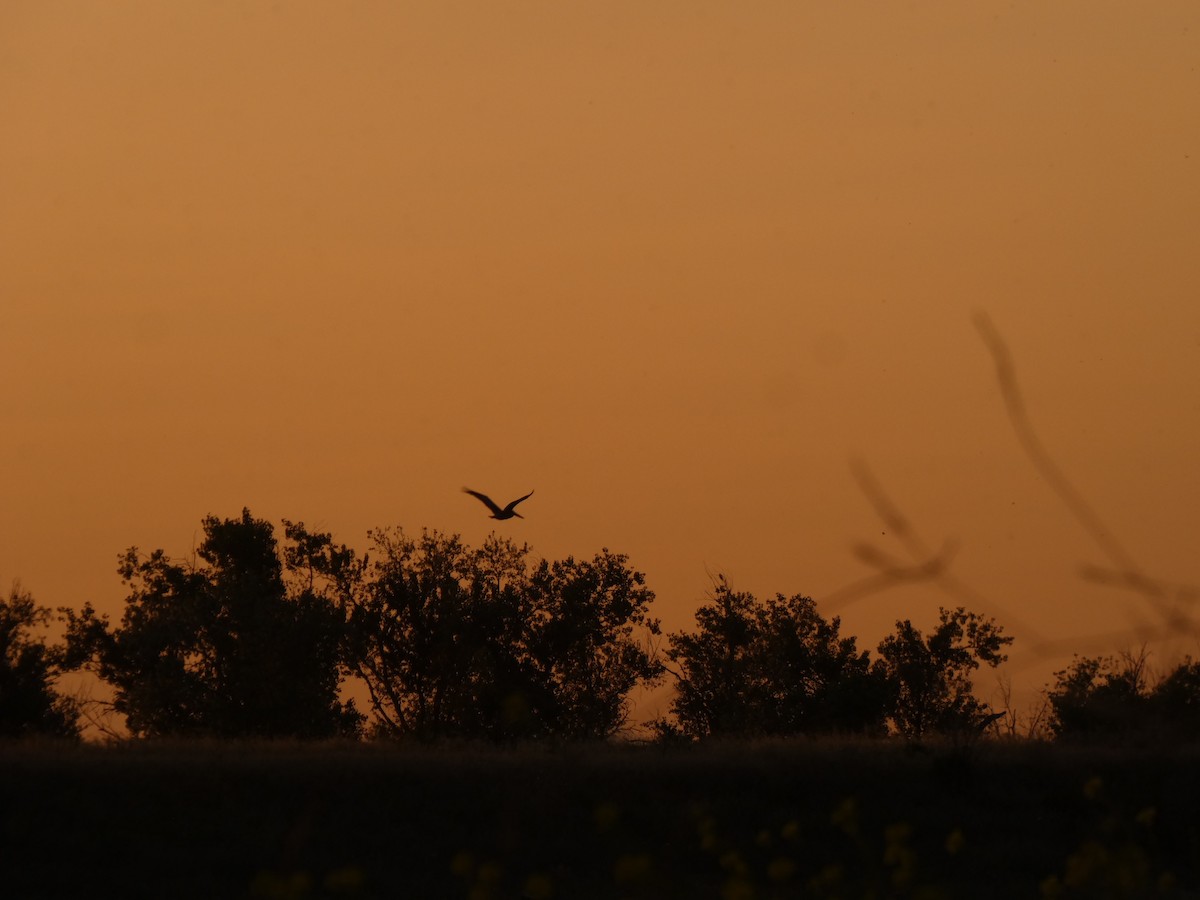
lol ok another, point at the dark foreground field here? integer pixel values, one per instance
(735, 821)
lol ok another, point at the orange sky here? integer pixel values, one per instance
(671, 264)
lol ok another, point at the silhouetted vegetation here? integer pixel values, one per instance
(931, 676)
(777, 668)
(219, 647)
(774, 819)
(29, 703)
(771, 668)
(254, 639)
(1112, 698)
(472, 643)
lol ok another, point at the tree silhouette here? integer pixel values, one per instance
(219, 648)
(1112, 698)
(460, 642)
(772, 668)
(930, 677)
(432, 627)
(580, 637)
(1176, 700)
(713, 666)
(29, 704)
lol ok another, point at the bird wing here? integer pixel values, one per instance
(485, 499)
(513, 505)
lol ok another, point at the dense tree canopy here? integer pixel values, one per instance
(931, 677)
(434, 625)
(772, 668)
(219, 646)
(1113, 698)
(778, 668)
(251, 638)
(29, 703)
(462, 642)
(587, 637)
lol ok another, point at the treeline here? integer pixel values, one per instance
(254, 638)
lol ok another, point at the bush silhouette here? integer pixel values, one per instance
(1106, 698)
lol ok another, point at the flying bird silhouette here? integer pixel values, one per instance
(497, 513)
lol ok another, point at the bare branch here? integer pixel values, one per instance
(1014, 402)
(1125, 570)
(925, 565)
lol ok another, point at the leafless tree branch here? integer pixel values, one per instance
(1124, 571)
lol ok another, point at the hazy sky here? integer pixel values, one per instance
(671, 264)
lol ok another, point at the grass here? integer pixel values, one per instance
(769, 819)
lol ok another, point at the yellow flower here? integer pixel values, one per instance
(845, 816)
(490, 874)
(828, 878)
(539, 887)
(1085, 862)
(707, 829)
(299, 884)
(632, 868)
(606, 815)
(1051, 887)
(733, 862)
(273, 886)
(281, 887)
(955, 841)
(781, 869)
(463, 864)
(347, 880)
(897, 833)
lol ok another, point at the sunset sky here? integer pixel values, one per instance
(672, 265)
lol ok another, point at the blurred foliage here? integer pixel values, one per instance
(773, 818)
